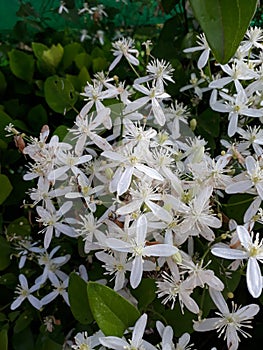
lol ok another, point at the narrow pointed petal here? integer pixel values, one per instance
(138, 331)
(254, 277)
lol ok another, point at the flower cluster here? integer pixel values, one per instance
(142, 191)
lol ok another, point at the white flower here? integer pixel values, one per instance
(173, 288)
(85, 342)
(238, 71)
(253, 252)
(167, 338)
(24, 293)
(202, 45)
(253, 178)
(228, 322)
(52, 220)
(198, 217)
(194, 84)
(52, 266)
(62, 8)
(235, 106)
(124, 47)
(153, 95)
(254, 137)
(253, 38)
(159, 71)
(59, 289)
(115, 264)
(131, 160)
(137, 246)
(135, 343)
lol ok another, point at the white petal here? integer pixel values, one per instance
(206, 324)
(141, 229)
(114, 343)
(229, 253)
(138, 331)
(149, 171)
(17, 302)
(239, 187)
(160, 250)
(254, 277)
(219, 301)
(136, 272)
(125, 181)
(244, 236)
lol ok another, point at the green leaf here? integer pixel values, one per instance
(8, 279)
(61, 131)
(5, 250)
(112, 312)
(99, 64)
(6, 188)
(70, 52)
(145, 293)
(37, 116)
(78, 299)
(53, 56)
(39, 49)
(83, 60)
(224, 23)
(23, 340)
(4, 120)
(4, 339)
(59, 94)
(20, 227)
(23, 321)
(3, 83)
(21, 65)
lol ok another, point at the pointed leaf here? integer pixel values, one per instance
(111, 311)
(224, 23)
(78, 299)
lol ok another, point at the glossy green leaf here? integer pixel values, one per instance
(6, 188)
(5, 250)
(145, 292)
(59, 94)
(78, 299)
(112, 312)
(21, 64)
(224, 23)
(4, 339)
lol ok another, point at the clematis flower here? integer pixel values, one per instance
(202, 46)
(24, 292)
(124, 47)
(135, 343)
(253, 252)
(152, 95)
(228, 322)
(137, 246)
